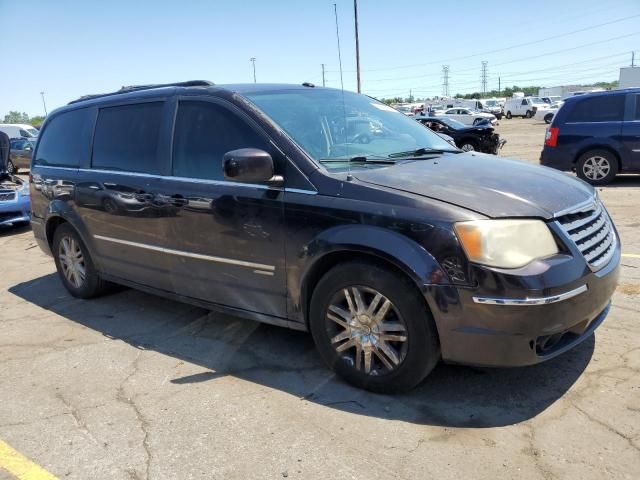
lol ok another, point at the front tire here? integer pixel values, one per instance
(74, 264)
(597, 167)
(468, 146)
(548, 118)
(372, 327)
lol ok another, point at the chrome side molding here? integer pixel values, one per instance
(524, 302)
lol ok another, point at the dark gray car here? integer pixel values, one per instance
(20, 156)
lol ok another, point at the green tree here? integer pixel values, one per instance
(16, 117)
(37, 120)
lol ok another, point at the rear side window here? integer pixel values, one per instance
(126, 138)
(605, 108)
(65, 140)
(204, 132)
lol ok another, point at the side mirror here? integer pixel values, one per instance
(249, 165)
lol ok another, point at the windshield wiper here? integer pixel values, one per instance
(358, 159)
(419, 152)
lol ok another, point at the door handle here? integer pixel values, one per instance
(144, 197)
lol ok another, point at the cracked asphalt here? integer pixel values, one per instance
(133, 386)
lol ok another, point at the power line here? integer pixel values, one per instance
(513, 75)
(521, 59)
(504, 49)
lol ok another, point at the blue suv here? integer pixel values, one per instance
(596, 135)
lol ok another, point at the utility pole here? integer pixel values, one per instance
(633, 59)
(253, 60)
(355, 13)
(499, 86)
(44, 104)
(445, 80)
(410, 96)
(484, 77)
(323, 84)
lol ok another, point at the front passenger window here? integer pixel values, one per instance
(204, 132)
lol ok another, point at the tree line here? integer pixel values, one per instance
(17, 117)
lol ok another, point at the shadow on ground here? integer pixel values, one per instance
(286, 360)
(6, 230)
(624, 181)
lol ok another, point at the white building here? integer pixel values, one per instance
(629, 77)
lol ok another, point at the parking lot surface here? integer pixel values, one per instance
(133, 386)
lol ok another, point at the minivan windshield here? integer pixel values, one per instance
(331, 125)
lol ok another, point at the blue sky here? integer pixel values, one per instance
(70, 48)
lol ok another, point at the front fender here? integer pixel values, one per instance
(391, 246)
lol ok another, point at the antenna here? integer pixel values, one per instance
(344, 108)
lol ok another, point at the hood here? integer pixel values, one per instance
(483, 128)
(5, 147)
(490, 185)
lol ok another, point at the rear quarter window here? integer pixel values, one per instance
(126, 138)
(604, 108)
(65, 140)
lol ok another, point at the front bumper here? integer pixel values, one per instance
(492, 144)
(510, 321)
(15, 210)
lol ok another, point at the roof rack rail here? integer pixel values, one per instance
(135, 88)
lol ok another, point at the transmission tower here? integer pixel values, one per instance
(445, 80)
(484, 77)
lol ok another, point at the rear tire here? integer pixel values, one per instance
(509, 115)
(597, 167)
(528, 114)
(389, 352)
(75, 266)
(548, 118)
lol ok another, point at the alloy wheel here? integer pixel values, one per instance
(366, 330)
(467, 147)
(596, 167)
(72, 261)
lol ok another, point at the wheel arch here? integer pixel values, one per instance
(369, 244)
(59, 213)
(604, 146)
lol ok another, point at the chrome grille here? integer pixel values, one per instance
(7, 196)
(591, 231)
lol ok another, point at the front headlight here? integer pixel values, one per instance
(505, 243)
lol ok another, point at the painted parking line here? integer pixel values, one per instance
(631, 255)
(20, 466)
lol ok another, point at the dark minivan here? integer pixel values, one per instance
(597, 135)
(322, 210)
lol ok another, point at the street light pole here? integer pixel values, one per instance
(253, 61)
(44, 104)
(355, 12)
